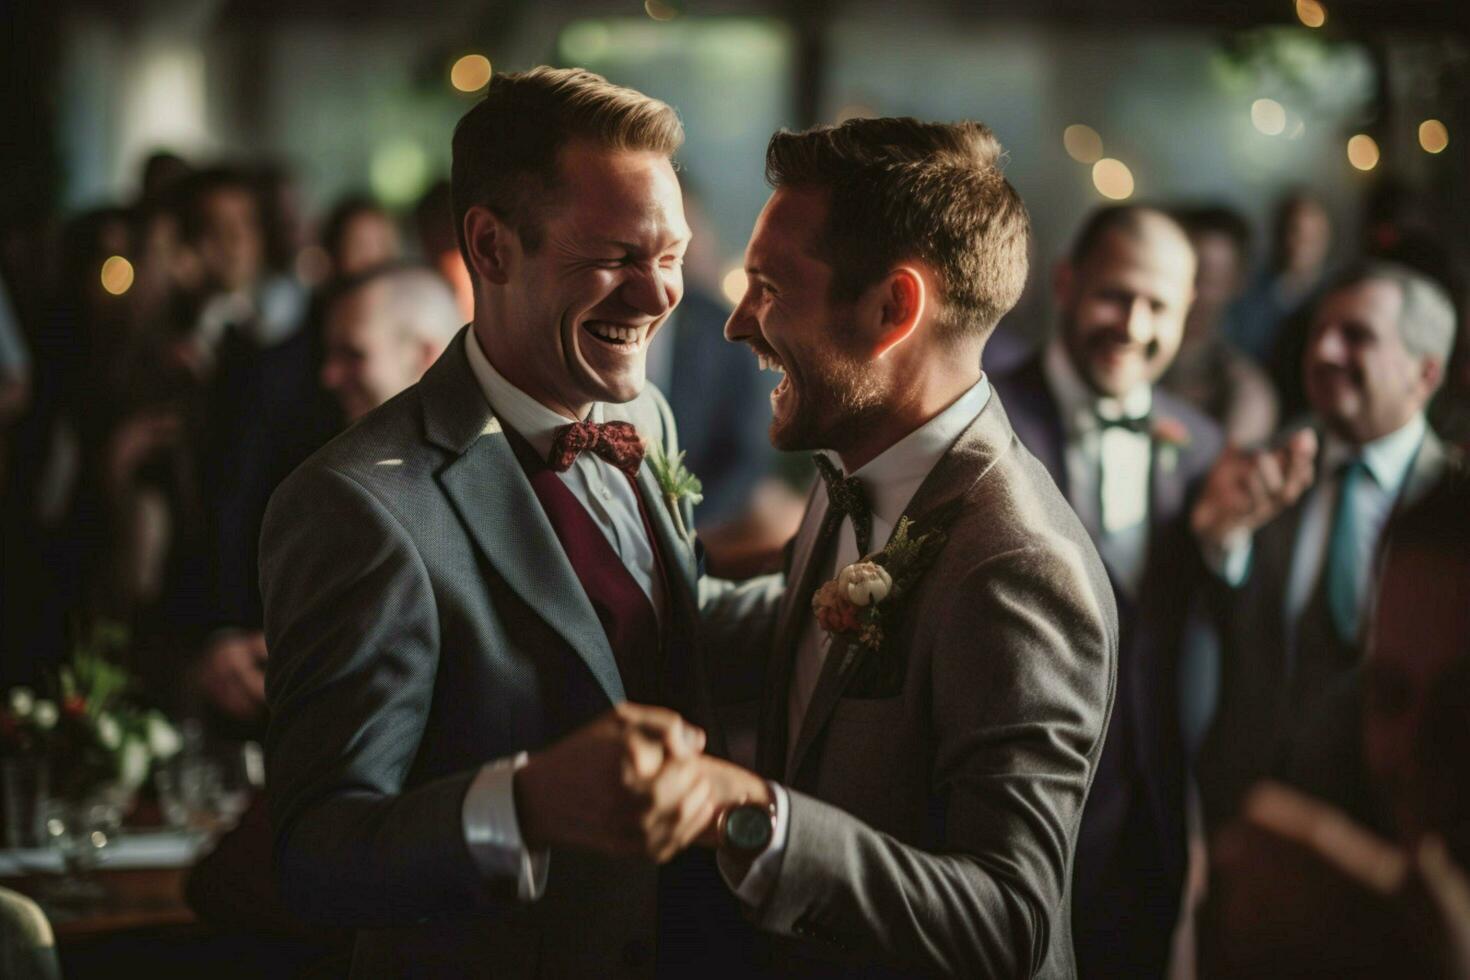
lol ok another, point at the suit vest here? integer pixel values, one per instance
(627, 615)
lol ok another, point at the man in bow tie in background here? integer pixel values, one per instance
(919, 791)
(479, 601)
(1128, 456)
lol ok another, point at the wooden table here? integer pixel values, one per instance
(134, 898)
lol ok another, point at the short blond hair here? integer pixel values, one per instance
(902, 189)
(506, 147)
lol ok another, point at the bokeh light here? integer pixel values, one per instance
(1434, 136)
(1083, 143)
(470, 73)
(733, 285)
(660, 9)
(1362, 152)
(1311, 12)
(1268, 116)
(399, 171)
(1113, 179)
(117, 275)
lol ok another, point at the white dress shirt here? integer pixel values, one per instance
(889, 482)
(1120, 458)
(490, 824)
(1388, 459)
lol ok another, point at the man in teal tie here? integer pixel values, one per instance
(1293, 530)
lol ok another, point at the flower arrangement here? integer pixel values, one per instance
(93, 734)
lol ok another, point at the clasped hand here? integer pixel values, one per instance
(634, 782)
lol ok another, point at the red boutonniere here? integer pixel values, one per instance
(1172, 437)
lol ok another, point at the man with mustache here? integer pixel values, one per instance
(1295, 530)
(480, 602)
(929, 732)
(1128, 456)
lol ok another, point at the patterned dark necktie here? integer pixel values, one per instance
(845, 498)
(616, 442)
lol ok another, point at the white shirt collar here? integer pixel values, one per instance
(536, 423)
(1078, 403)
(891, 479)
(1388, 457)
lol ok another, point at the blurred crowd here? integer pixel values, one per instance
(1279, 497)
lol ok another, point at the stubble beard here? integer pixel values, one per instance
(832, 411)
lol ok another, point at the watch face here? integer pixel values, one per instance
(748, 828)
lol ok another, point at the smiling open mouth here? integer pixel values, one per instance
(618, 336)
(769, 362)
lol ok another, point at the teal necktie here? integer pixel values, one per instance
(1344, 566)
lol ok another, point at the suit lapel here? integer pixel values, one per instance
(801, 582)
(938, 496)
(1425, 472)
(675, 552)
(493, 498)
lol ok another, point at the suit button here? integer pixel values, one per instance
(637, 953)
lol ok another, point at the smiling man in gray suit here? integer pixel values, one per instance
(481, 606)
(929, 733)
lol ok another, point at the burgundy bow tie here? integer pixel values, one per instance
(616, 442)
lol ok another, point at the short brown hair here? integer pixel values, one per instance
(506, 147)
(905, 189)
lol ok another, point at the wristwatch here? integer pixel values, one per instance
(746, 830)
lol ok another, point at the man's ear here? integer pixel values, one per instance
(904, 302)
(1431, 373)
(492, 244)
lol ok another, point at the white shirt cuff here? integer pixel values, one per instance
(760, 877)
(493, 833)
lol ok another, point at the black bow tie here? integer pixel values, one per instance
(845, 498)
(1139, 426)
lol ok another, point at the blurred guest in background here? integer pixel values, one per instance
(1366, 879)
(383, 329)
(359, 234)
(241, 298)
(433, 219)
(1210, 373)
(1295, 530)
(1301, 240)
(1128, 456)
(263, 413)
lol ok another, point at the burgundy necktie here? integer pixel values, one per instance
(616, 442)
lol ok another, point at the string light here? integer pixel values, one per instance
(117, 275)
(660, 9)
(1433, 136)
(1113, 179)
(1311, 13)
(1268, 116)
(1362, 152)
(1082, 143)
(733, 285)
(470, 73)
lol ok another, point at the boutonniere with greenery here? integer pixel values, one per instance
(674, 480)
(860, 605)
(1172, 437)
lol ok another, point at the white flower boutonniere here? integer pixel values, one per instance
(674, 480)
(860, 603)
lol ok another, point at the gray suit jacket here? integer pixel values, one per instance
(933, 830)
(422, 620)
